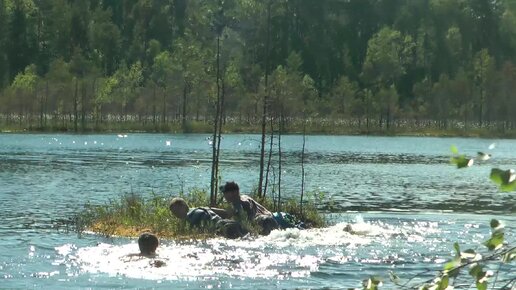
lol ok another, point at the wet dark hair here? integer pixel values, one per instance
(148, 243)
(229, 186)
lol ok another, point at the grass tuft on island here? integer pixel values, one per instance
(131, 214)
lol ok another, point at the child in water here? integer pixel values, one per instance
(147, 243)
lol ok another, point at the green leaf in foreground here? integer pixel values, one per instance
(476, 271)
(457, 248)
(470, 255)
(443, 283)
(496, 240)
(505, 179)
(372, 283)
(461, 161)
(481, 276)
(454, 150)
(452, 267)
(482, 286)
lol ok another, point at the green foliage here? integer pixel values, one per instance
(460, 160)
(413, 66)
(26, 81)
(497, 236)
(373, 283)
(106, 41)
(106, 91)
(505, 179)
(476, 262)
(499, 251)
(387, 53)
(131, 214)
(344, 97)
(307, 213)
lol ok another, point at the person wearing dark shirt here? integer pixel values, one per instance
(207, 217)
(244, 207)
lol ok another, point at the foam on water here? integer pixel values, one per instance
(282, 254)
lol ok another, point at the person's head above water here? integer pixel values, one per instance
(148, 244)
(179, 208)
(231, 191)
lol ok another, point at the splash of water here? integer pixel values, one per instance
(282, 254)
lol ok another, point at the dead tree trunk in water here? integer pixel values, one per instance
(271, 143)
(303, 167)
(279, 159)
(214, 161)
(41, 110)
(164, 110)
(265, 101)
(221, 116)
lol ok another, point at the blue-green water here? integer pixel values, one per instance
(408, 202)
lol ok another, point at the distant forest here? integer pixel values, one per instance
(78, 64)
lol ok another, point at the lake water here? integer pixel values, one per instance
(402, 195)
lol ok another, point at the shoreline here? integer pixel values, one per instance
(475, 133)
(411, 127)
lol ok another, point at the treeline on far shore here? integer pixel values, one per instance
(11, 123)
(357, 66)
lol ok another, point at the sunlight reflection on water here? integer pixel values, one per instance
(283, 254)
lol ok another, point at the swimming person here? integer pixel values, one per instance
(246, 208)
(148, 243)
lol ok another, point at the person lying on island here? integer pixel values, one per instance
(247, 209)
(288, 221)
(147, 243)
(211, 218)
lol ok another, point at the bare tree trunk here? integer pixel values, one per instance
(367, 108)
(83, 104)
(154, 111)
(75, 105)
(219, 138)
(164, 111)
(303, 168)
(45, 104)
(183, 115)
(270, 158)
(265, 100)
(31, 107)
(213, 181)
(280, 159)
(41, 110)
(481, 107)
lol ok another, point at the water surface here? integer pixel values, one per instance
(409, 202)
